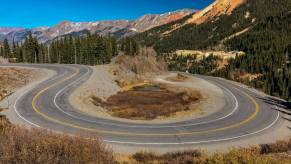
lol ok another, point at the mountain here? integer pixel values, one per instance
(119, 28)
(202, 29)
(212, 27)
(217, 8)
(149, 21)
(214, 10)
(4, 31)
(259, 28)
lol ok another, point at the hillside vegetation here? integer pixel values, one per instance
(19, 145)
(261, 29)
(263, 154)
(210, 33)
(88, 50)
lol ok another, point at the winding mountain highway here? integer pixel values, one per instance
(245, 114)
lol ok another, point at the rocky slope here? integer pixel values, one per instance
(149, 21)
(206, 29)
(214, 10)
(261, 29)
(118, 27)
(217, 8)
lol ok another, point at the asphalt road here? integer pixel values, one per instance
(245, 114)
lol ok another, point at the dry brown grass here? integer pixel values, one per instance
(263, 154)
(148, 102)
(13, 78)
(4, 124)
(278, 147)
(174, 157)
(18, 145)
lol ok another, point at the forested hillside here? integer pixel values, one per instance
(89, 50)
(209, 34)
(268, 47)
(263, 31)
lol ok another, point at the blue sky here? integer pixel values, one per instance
(35, 13)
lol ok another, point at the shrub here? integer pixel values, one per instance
(19, 145)
(278, 147)
(145, 157)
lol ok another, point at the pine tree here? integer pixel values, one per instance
(6, 49)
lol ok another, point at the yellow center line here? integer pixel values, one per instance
(35, 98)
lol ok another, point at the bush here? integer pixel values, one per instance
(145, 157)
(19, 145)
(263, 154)
(278, 147)
(186, 157)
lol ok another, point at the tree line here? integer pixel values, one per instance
(88, 50)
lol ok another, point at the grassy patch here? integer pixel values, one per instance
(148, 102)
(275, 153)
(19, 145)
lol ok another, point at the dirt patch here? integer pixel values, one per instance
(129, 70)
(148, 102)
(146, 63)
(13, 78)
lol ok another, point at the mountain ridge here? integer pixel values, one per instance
(260, 29)
(46, 34)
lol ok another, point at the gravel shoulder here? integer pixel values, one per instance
(39, 76)
(210, 103)
(100, 84)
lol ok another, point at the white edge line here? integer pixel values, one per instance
(197, 142)
(179, 143)
(19, 115)
(19, 97)
(140, 126)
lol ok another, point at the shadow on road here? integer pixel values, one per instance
(283, 106)
(280, 103)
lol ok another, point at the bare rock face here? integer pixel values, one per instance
(149, 21)
(218, 7)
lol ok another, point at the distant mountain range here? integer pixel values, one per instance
(119, 28)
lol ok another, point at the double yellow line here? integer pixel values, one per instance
(35, 98)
